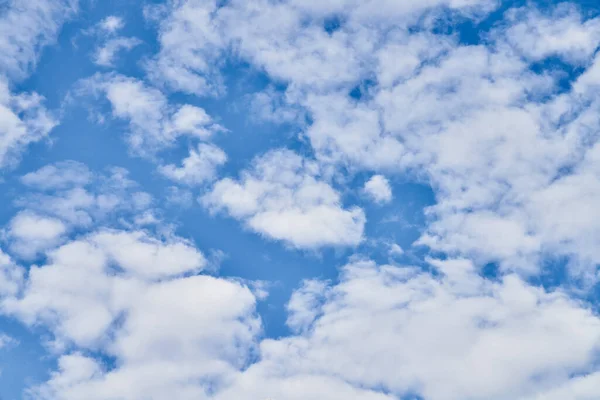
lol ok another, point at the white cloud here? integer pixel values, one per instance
(111, 24)
(179, 197)
(138, 254)
(80, 292)
(380, 328)
(378, 189)
(193, 121)
(26, 27)
(395, 250)
(199, 167)
(514, 165)
(191, 49)
(11, 275)
(65, 196)
(563, 33)
(282, 198)
(180, 336)
(401, 331)
(154, 123)
(30, 233)
(105, 54)
(304, 305)
(286, 39)
(23, 120)
(58, 176)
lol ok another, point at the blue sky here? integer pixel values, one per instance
(298, 199)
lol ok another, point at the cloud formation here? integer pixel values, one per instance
(283, 198)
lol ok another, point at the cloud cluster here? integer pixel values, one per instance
(496, 138)
(25, 28)
(66, 197)
(452, 337)
(156, 124)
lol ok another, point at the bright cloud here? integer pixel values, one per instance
(282, 198)
(378, 189)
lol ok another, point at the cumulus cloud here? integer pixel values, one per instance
(199, 167)
(11, 275)
(502, 339)
(283, 198)
(403, 331)
(378, 189)
(109, 44)
(154, 123)
(125, 294)
(30, 233)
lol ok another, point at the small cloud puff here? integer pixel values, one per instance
(378, 189)
(111, 24)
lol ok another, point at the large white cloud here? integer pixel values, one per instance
(176, 336)
(380, 329)
(283, 197)
(399, 330)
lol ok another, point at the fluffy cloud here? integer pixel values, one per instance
(199, 167)
(378, 189)
(403, 331)
(11, 275)
(155, 125)
(282, 198)
(501, 340)
(510, 152)
(30, 233)
(100, 293)
(109, 43)
(563, 33)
